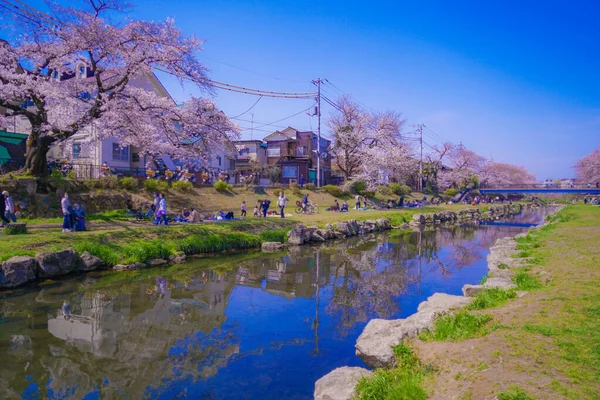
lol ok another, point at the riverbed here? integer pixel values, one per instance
(249, 326)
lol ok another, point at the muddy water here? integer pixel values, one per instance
(244, 327)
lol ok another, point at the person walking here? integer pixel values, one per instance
(301, 180)
(3, 219)
(162, 211)
(266, 205)
(243, 209)
(282, 202)
(9, 207)
(65, 206)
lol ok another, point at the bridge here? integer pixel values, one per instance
(543, 189)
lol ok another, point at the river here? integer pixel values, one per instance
(250, 326)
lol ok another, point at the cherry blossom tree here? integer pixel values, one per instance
(364, 143)
(75, 70)
(461, 166)
(495, 174)
(588, 168)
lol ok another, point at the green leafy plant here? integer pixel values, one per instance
(20, 229)
(310, 186)
(143, 251)
(451, 192)
(273, 236)
(129, 183)
(525, 281)
(514, 393)
(333, 190)
(183, 186)
(154, 185)
(385, 190)
(104, 252)
(222, 187)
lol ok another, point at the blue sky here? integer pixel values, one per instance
(516, 81)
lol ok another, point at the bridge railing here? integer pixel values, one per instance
(544, 186)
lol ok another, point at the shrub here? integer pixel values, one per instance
(333, 190)
(384, 190)
(129, 183)
(451, 192)
(310, 186)
(183, 186)
(400, 190)
(222, 187)
(296, 189)
(359, 187)
(154, 185)
(460, 326)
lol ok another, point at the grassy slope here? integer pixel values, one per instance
(548, 342)
(114, 231)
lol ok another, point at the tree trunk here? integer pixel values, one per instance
(37, 150)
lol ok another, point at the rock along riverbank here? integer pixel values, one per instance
(21, 270)
(375, 344)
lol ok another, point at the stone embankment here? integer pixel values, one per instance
(375, 345)
(301, 234)
(20, 270)
(492, 213)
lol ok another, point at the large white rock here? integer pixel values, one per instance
(339, 384)
(374, 345)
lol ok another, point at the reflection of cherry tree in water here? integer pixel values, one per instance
(361, 292)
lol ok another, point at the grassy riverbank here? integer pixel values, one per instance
(545, 345)
(115, 239)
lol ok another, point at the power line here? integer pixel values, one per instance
(288, 117)
(253, 72)
(259, 99)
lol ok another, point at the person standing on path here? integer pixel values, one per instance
(3, 219)
(282, 202)
(65, 206)
(301, 180)
(9, 207)
(357, 200)
(162, 211)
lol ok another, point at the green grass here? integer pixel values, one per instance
(279, 235)
(514, 393)
(526, 281)
(490, 298)
(541, 329)
(454, 327)
(404, 382)
(213, 243)
(145, 251)
(105, 252)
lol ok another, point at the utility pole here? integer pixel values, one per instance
(317, 82)
(420, 130)
(252, 128)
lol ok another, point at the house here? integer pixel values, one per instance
(295, 152)
(250, 157)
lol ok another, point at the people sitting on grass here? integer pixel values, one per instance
(344, 206)
(184, 216)
(195, 216)
(335, 207)
(79, 215)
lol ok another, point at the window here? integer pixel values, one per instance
(219, 160)
(274, 152)
(290, 172)
(135, 157)
(76, 150)
(82, 71)
(120, 153)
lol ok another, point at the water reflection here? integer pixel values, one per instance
(261, 327)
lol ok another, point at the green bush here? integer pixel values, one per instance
(359, 187)
(183, 186)
(129, 183)
(333, 190)
(384, 190)
(296, 189)
(222, 187)
(451, 192)
(144, 251)
(460, 326)
(310, 186)
(154, 185)
(400, 190)
(105, 182)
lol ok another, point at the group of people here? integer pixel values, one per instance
(262, 207)
(337, 207)
(7, 209)
(73, 215)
